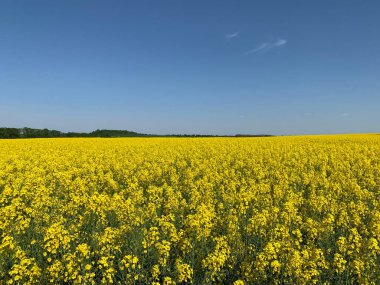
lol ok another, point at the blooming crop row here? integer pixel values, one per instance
(281, 210)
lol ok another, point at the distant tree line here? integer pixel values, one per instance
(15, 133)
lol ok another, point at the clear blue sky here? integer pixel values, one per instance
(176, 66)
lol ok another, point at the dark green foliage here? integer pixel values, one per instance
(9, 133)
(114, 133)
(14, 133)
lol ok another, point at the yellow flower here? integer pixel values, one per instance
(281, 210)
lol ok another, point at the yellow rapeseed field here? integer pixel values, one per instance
(280, 210)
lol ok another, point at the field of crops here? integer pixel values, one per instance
(281, 210)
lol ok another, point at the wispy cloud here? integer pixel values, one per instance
(345, 114)
(265, 47)
(231, 36)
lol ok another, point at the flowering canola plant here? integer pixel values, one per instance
(279, 210)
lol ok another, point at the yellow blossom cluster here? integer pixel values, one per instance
(276, 210)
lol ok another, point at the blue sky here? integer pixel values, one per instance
(176, 66)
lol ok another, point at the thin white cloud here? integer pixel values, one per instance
(261, 48)
(280, 42)
(345, 114)
(231, 36)
(265, 47)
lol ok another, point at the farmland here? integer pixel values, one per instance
(277, 210)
